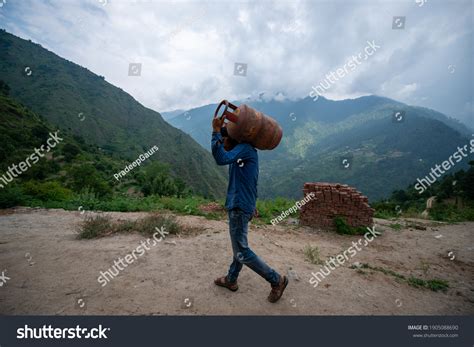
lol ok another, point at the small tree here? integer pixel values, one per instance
(156, 180)
(86, 176)
(70, 151)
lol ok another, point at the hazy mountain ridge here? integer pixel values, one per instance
(317, 135)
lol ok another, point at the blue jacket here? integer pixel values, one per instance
(243, 173)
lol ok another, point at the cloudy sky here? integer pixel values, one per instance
(188, 49)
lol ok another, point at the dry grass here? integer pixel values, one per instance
(312, 254)
(100, 226)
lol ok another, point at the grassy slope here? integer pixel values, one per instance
(21, 131)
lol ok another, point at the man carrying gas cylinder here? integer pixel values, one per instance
(242, 159)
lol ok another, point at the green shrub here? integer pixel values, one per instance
(434, 284)
(149, 224)
(70, 151)
(383, 214)
(156, 179)
(269, 209)
(458, 185)
(450, 213)
(42, 170)
(396, 226)
(383, 270)
(416, 282)
(87, 177)
(343, 228)
(125, 227)
(12, 195)
(385, 209)
(47, 191)
(41, 132)
(437, 284)
(90, 200)
(96, 226)
(87, 198)
(188, 205)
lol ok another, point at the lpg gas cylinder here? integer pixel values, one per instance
(251, 126)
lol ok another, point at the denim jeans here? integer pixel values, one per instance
(238, 227)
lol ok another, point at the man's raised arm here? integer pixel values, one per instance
(221, 156)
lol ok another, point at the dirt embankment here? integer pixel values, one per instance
(51, 272)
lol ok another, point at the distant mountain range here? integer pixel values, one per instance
(73, 98)
(171, 114)
(373, 143)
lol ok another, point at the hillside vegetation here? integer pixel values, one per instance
(453, 199)
(73, 98)
(72, 173)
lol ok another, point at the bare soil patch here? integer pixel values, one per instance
(52, 272)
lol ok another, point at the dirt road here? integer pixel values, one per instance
(51, 272)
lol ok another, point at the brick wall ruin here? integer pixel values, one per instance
(331, 200)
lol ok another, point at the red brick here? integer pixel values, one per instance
(334, 199)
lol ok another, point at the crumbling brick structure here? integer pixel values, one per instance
(331, 200)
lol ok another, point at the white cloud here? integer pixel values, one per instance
(188, 48)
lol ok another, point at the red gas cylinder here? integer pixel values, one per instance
(251, 126)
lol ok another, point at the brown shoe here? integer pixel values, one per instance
(223, 282)
(277, 291)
